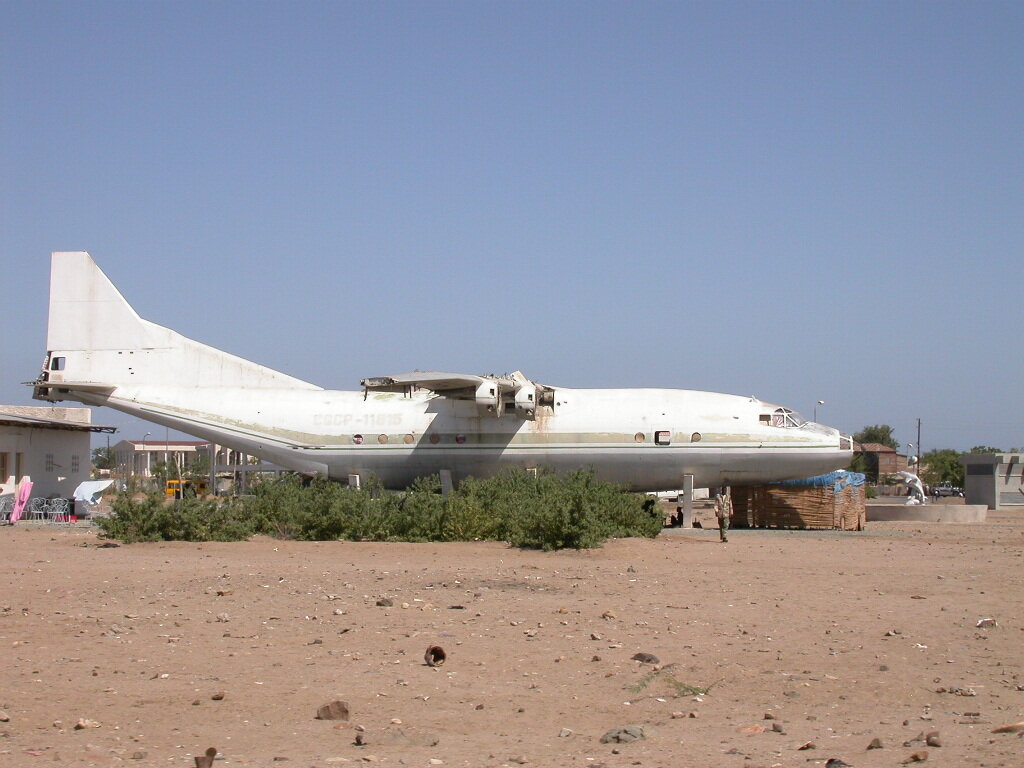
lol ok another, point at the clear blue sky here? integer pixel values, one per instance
(799, 201)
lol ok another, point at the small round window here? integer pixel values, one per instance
(695, 437)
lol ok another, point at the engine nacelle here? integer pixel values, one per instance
(488, 399)
(526, 401)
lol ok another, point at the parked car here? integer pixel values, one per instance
(946, 490)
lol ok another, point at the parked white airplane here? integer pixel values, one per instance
(100, 352)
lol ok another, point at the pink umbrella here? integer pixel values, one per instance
(24, 491)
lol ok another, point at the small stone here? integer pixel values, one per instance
(807, 745)
(518, 760)
(876, 744)
(385, 602)
(140, 755)
(435, 761)
(917, 757)
(624, 735)
(565, 733)
(1010, 728)
(86, 723)
(777, 727)
(595, 636)
(195, 703)
(933, 739)
(835, 762)
(678, 715)
(218, 696)
(4, 717)
(223, 618)
(206, 759)
(434, 656)
(769, 716)
(334, 710)
(645, 658)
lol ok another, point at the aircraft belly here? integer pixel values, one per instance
(640, 468)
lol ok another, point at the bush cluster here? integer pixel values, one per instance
(542, 512)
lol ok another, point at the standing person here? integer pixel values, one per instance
(723, 511)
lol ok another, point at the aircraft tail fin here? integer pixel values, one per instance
(96, 342)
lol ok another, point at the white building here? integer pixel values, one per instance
(138, 458)
(994, 479)
(48, 447)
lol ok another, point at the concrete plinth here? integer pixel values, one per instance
(927, 513)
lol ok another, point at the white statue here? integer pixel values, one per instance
(916, 490)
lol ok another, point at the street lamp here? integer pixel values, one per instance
(820, 402)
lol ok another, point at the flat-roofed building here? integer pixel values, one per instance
(880, 460)
(138, 458)
(994, 479)
(48, 447)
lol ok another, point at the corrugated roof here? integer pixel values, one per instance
(874, 448)
(13, 420)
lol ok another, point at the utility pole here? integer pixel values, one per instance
(919, 451)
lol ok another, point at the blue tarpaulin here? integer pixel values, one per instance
(839, 480)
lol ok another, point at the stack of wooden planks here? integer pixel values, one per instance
(820, 507)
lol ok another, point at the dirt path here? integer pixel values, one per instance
(840, 638)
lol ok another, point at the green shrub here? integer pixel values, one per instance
(542, 512)
(155, 518)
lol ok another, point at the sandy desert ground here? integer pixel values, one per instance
(812, 646)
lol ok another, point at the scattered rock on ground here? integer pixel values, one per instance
(645, 658)
(334, 710)
(624, 735)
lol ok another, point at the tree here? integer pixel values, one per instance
(942, 467)
(199, 469)
(985, 449)
(103, 458)
(879, 433)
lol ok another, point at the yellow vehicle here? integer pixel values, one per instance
(175, 489)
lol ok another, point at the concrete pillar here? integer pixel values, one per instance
(446, 481)
(687, 499)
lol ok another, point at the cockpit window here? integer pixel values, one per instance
(783, 417)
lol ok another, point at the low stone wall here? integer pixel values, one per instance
(927, 513)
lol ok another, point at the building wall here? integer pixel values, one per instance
(994, 479)
(55, 460)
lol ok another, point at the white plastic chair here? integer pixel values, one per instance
(36, 509)
(58, 511)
